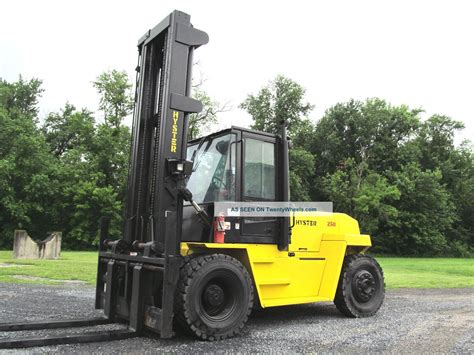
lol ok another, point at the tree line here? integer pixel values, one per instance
(402, 177)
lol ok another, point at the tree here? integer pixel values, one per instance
(115, 96)
(402, 178)
(92, 161)
(369, 132)
(202, 121)
(86, 202)
(283, 99)
(366, 199)
(302, 162)
(98, 169)
(425, 214)
(68, 129)
(112, 143)
(462, 193)
(436, 141)
(21, 97)
(28, 174)
(437, 151)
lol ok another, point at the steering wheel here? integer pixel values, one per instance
(219, 183)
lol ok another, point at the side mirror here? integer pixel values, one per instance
(222, 147)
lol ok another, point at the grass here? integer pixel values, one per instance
(399, 272)
(427, 272)
(76, 266)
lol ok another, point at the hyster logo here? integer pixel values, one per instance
(305, 222)
(174, 132)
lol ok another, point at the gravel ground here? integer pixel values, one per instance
(410, 321)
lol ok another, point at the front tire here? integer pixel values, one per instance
(361, 288)
(214, 296)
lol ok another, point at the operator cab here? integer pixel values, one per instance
(235, 164)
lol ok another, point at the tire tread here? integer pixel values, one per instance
(341, 299)
(190, 267)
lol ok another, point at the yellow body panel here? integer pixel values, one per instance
(308, 271)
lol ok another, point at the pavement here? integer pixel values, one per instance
(410, 321)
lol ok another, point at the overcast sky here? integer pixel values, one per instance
(419, 53)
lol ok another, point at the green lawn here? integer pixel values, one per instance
(427, 272)
(399, 272)
(77, 266)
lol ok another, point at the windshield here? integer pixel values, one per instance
(213, 177)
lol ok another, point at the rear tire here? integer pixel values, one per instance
(361, 288)
(214, 296)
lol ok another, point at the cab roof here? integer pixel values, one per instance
(234, 128)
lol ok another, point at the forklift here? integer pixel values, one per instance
(180, 267)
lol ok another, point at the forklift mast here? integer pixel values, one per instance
(137, 274)
(159, 138)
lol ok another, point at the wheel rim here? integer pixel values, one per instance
(218, 299)
(363, 286)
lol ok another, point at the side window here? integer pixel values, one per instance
(259, 169)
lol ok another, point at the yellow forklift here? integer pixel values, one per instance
(174, 267)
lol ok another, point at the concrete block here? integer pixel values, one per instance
(24, 247)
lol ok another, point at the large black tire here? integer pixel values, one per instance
(361, 288)
(214, 296)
